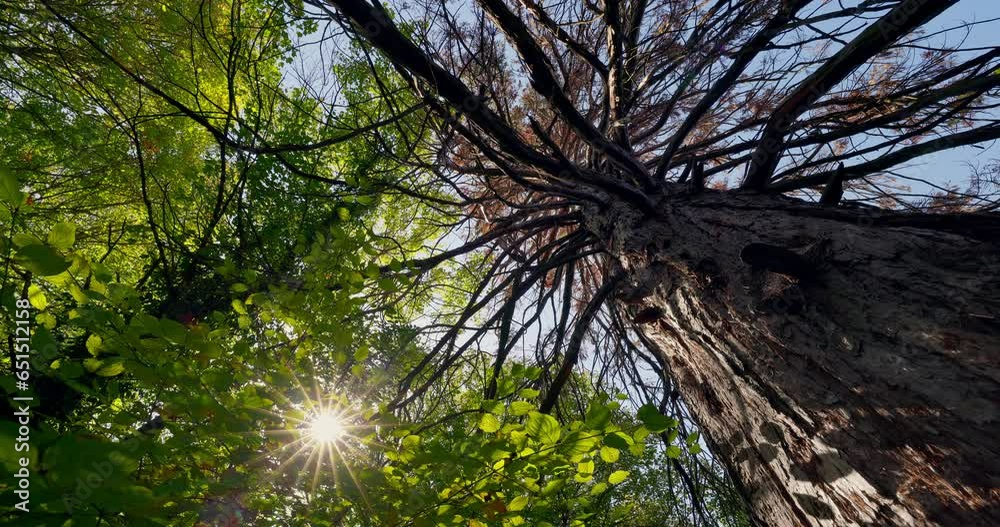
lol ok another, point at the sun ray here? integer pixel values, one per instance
(318, 452)
(328, 435)
(357, 484)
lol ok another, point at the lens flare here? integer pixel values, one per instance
(326, 427)
(322, 436)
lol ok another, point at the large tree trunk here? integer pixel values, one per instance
(855, 382)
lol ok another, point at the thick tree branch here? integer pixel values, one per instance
(970, 137)
(904, 18)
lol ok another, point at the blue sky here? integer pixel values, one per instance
(950, 166)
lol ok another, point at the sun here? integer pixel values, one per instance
(326, 427)
(321, 430)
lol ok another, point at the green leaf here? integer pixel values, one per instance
(488, 423)
(22, 238)
(581, 442)
(517, 504)
(639, 435)
(46, 319)
(585, 467)
(42, 260)
(653, 419)
(37, 297)
(256, 402)
(520, 408)
(10, 189)
(553, 486)
(544, 427)
(598, 416)
(492, 406)
(528, 393)
(110, 370)
(617, 477)
(173, 331)
(92, 365)
(618, 440)
(70, 369)
(361, 354)
(599, 488)
(62, 235)
(609, 454)
(672, 435)
(387, 284)
(674, 452)
(94, 345)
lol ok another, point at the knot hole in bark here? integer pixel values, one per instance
(777, 273)
(775, 259)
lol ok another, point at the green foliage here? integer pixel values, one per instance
(519, 470)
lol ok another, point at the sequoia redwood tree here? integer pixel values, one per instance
(725, 170)
(717, 190)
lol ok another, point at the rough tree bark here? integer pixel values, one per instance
(843, 363)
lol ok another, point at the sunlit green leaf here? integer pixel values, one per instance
(62, 236)
(617, 477)
(488, 423)
(544, 427)
(520, 408)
